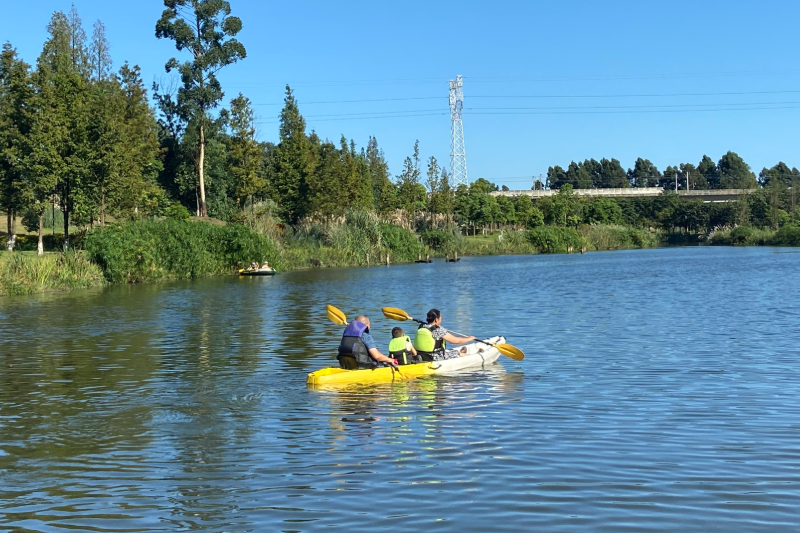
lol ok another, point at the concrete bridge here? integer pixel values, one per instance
(707, 195)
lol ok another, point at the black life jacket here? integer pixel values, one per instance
(353, 346)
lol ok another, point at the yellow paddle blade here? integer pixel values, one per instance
(336, 316)
(510, 351)
(395, 314)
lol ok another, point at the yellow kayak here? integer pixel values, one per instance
(476, 356)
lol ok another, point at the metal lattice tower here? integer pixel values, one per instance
(458, 153)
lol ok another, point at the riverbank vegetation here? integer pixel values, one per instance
(28, 273)
(85, 152)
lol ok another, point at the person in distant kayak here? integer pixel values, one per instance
(265, 266)
(358, 348)
(401, 348)
(431, 339)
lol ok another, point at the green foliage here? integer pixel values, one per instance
(786, 236)
(244, 152)
(555, 240)
(602, 211)
(742, 236)
(145, 251)
(615, 237)
(402, 243)
(210, 41)
(735, 173)
(177, 212)
(22, 273)
(535, 218)
(411, 194)
(441, 240)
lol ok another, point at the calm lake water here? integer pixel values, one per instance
(660, 392)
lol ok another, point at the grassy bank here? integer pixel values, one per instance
(749, 236)
(26, 273)
(357, 239)
(179, 249)
(175, 249)
(552, 239)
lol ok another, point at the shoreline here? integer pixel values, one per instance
(22, 272)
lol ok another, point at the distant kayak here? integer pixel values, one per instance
(478, 355)
(259, 272)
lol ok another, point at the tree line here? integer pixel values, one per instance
(730, 172)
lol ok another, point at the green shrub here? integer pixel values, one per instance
(554, 239)
(51, 243)
(439, 240)
(402, 243)
(177, 211)
(742, 236)
(143, 251)
(786, 236)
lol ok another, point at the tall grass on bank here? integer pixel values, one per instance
(175, 249)
(357, 239)
(614, 237)
(750, 236)
(24, 273)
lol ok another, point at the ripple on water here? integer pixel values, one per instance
(643, 405)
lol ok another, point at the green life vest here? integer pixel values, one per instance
(426, 345)
(397, 350)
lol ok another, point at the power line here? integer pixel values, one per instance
(525, 79)
(654, 95)
(369, 100)
(542, 111)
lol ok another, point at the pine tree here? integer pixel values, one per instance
(411, 194)
(383, 190)
(290, 169)
(142, 162)
(245, 155)
(62, 147)
(99, 53)
(16, 95)
(708, 169)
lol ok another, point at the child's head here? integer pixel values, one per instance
(397, 332)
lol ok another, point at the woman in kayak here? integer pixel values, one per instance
(431, 339)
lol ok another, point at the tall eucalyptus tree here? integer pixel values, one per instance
(205, 29)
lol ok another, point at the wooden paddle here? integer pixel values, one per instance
(506, 349)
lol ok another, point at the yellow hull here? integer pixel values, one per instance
(340, 376)
(477, 355)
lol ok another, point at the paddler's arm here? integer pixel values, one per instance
(452, 339)
(379, 357)
(372, 350)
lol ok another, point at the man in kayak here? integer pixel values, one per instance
(431, 339)
(358, 348)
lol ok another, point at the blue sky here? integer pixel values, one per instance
(544, 82)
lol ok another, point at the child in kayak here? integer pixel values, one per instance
(400, 348)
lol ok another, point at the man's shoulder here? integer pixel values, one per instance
(367, 339)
